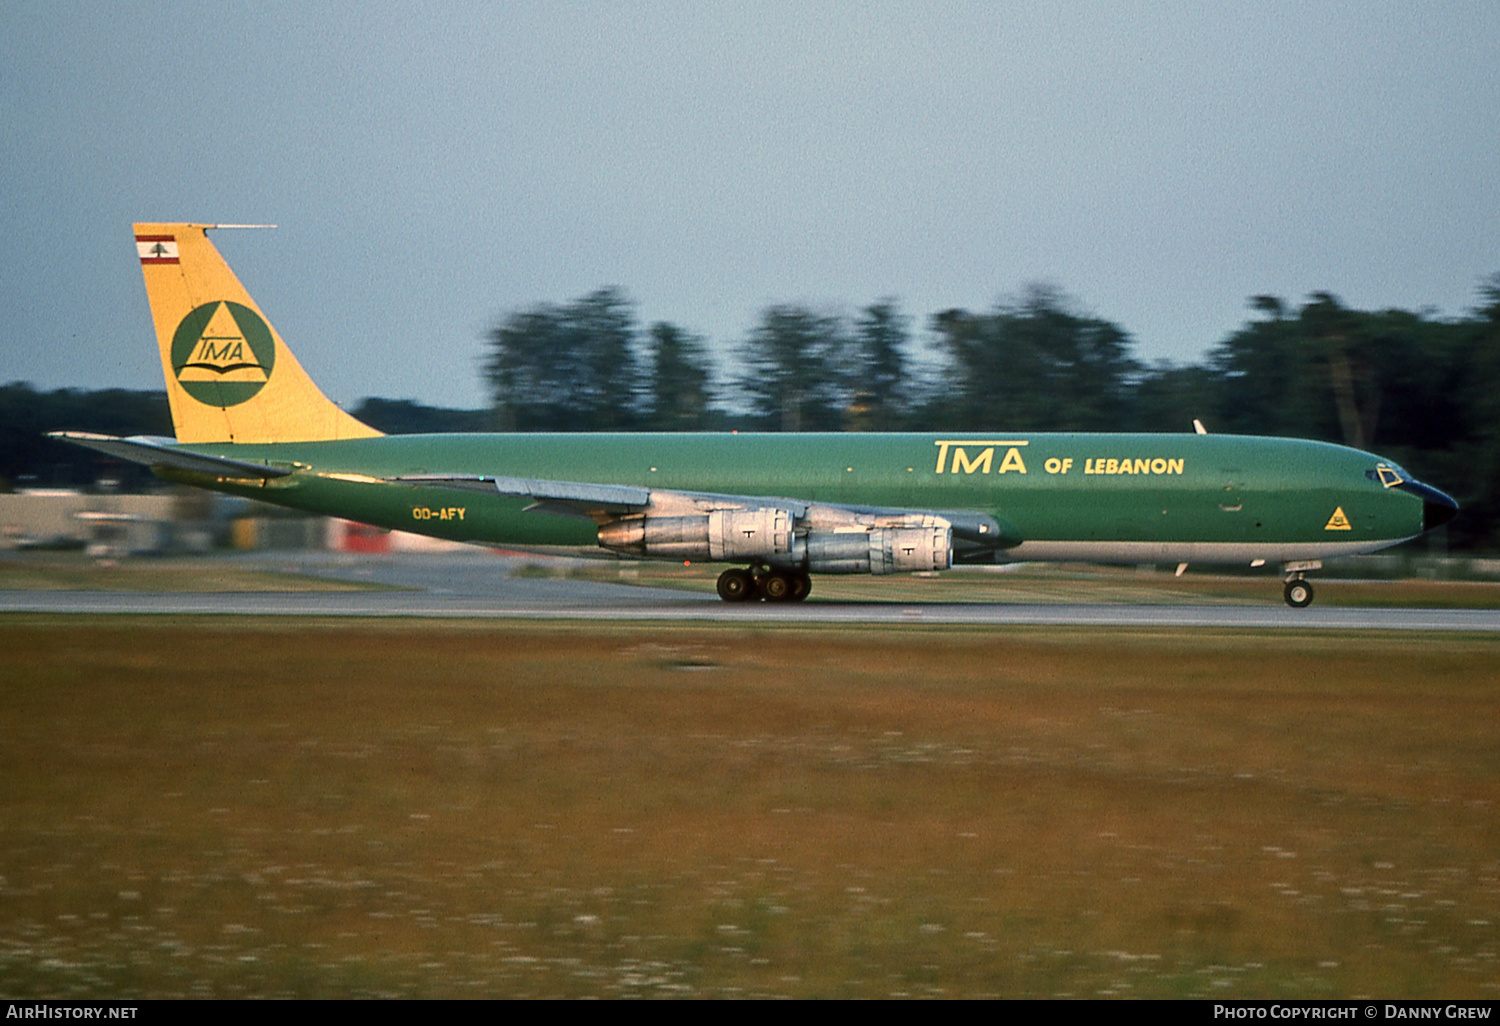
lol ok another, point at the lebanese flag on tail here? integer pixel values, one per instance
(156, 249)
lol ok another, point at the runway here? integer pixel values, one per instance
(462, 587)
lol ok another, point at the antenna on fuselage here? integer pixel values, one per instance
(1198, 427)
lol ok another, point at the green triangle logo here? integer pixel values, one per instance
(223, 353)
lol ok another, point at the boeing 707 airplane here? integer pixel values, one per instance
(778, 508)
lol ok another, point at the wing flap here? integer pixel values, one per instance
(550, 496)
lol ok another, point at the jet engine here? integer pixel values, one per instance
(769, 536)
(881, 550)
(723, 535)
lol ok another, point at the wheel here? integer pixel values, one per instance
(776, 586)
(801, 587)
(736, 586)
(1299, 593)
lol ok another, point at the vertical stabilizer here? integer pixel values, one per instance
(230, 377)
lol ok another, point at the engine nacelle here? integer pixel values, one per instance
(911, 549)
(883, 550)
(723, 535)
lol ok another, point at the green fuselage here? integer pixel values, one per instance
(1099, 497)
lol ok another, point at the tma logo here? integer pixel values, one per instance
(222, 353)
(984, 459)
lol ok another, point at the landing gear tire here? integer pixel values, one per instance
(1299, 593)
(801, 587)
(777, 587)
(737, 586)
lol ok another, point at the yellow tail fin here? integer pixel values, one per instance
(230, 377)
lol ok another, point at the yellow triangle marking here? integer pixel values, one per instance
(1338, 522)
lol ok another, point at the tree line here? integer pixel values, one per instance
(1417, 388)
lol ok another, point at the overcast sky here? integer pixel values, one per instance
(433, 166)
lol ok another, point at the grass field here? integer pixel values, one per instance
(212, 807)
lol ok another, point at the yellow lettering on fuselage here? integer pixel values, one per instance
(447, 513)
(963, 464)
(981, 463)
(1157, 465)
(970, 456)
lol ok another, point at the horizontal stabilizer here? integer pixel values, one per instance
(164, 453)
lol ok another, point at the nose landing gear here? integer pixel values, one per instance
(1299, 591)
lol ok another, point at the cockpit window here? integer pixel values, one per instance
(1386, 475)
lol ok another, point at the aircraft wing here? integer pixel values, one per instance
(606, 503)
(163, 454)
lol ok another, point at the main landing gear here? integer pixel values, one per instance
(769, 583)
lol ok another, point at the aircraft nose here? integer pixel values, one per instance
(1437, 507)
(1438, 511)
